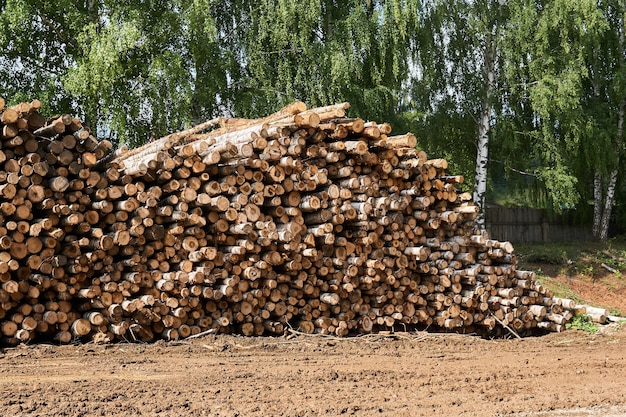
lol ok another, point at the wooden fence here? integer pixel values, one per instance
(527, 225)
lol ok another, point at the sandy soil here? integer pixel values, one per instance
(384, 375)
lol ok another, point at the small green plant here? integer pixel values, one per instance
(582, 322)
(585, 268)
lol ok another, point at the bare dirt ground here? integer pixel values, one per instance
(567, 374)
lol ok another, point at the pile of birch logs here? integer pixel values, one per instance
(48, 228)
(305, 219)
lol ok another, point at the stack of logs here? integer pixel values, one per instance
(304, 219)
(48, 228)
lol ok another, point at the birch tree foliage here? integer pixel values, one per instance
(566, 33)
(143, 69)
(135, 72)
(575, 85)
(323, 52)
(37, 49)
(123, 66)
(534, 134)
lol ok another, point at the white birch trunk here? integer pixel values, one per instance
(608, 206)
(597, 203)
(603, 233)
(610, 192)
(484, 127)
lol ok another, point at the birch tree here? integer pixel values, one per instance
(612, 87)
(460, 72)
(322, 51)
(575, 85)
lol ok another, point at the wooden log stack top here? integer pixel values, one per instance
(303, 219)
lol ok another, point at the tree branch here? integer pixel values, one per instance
(531, 174)
(31, 62)
(50, 24)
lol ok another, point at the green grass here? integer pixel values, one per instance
(553, 253)
(584, 258)
(582, 322)
(558, 289)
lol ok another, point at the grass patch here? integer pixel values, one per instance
(582, 322)
(584, 258)
(558, 289)
(549, 253)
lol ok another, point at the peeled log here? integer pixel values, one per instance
(330, 298)
(58, 184)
